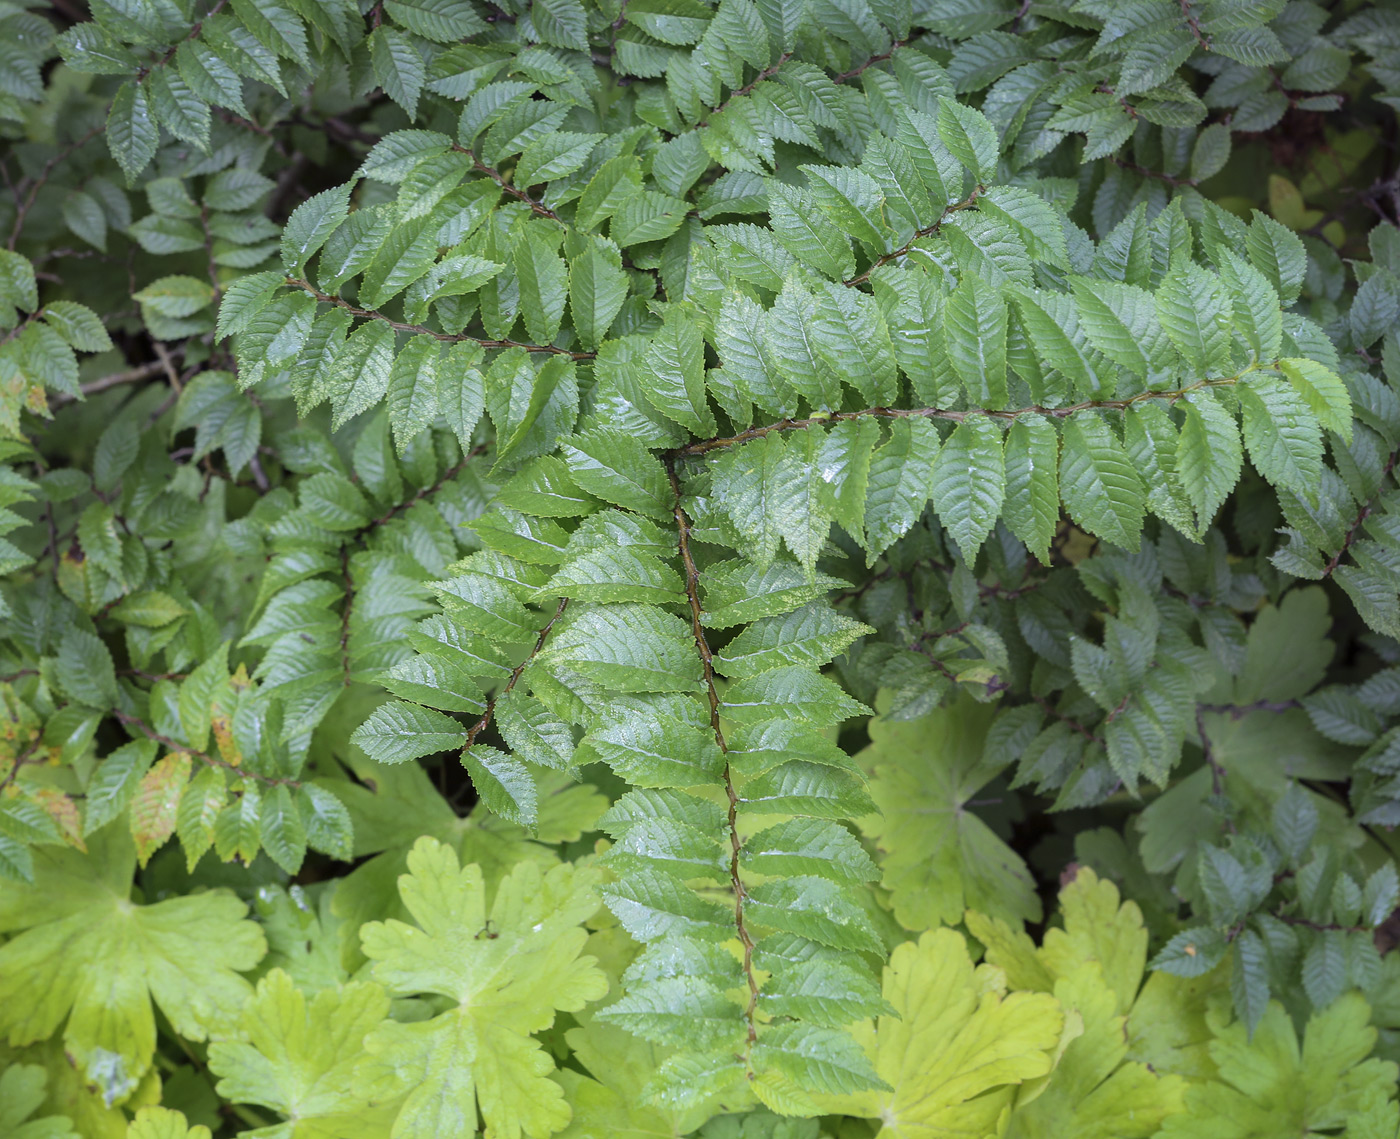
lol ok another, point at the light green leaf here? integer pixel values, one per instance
(398, 731)
(969, 483)
(1100, 488)
(1032, 506)
(84, 958)
(503, 973)
(930, 768)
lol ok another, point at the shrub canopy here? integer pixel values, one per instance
(776, 569)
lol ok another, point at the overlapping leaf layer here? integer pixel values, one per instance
(586, 567)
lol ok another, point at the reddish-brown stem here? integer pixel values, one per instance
(20, 760)
(1194, 25)
(926, 231)
(372, 314)
(747, 88)
(704, 446)
(480, 726)
(1068, 721)
(1361, 515)
(702, 646)
(1148, 172)
(428, 491)
(514, 191)
(869, 63)
(30, 198)
(349, 582)
(213, 761)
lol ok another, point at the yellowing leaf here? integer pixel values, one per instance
(81, 950)
(1093, 964)
(154, 806)
(937, 856)
(505, 973)
(162, 1123)
(1097, 930)
(1271, 1086)
(958, 1048)
(1092, 1093)
(302, 1059)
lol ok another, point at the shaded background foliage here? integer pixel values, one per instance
(896, 500)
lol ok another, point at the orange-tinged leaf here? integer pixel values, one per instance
(157, 799)
(200, 805)
(222, 727)
(64, 812)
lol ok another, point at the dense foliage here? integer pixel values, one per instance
(771, 568)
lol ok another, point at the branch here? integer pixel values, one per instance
(480, 726)
(193, 33)
(1194, 25)
(874, 59)
(213, 761)
(429, 491)
(116, 379)
(372, 314)
(702, 646)
(895, 255)
(718, 443)
(1361, 515)
(24, 757)
(349, 582)
(39, 182)
(1239, 711)
(1051, 710)
(747, 88)
(1289, 919)
(1148, 172)
(514, 191)
(1217, 773)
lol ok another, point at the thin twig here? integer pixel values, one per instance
(704, 446)
(345, 613)
(259, 475)
(1239, 711)
(19, 761)
(702, 646)
(1289, 919)
(211, 267)
(371, 314)
(1217, 773)
(481, 724)
(894, 255)
(1202, 41)
(871, 62)
(213, 761)
(193, 33)
(429, 491)
(167, 364)
(116, 379)
(22, 212)
(1148, 172)
(1068, 721)
(1361, 515)
(747, 88)
(514, 191)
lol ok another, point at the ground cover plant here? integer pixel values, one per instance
(769, 569)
